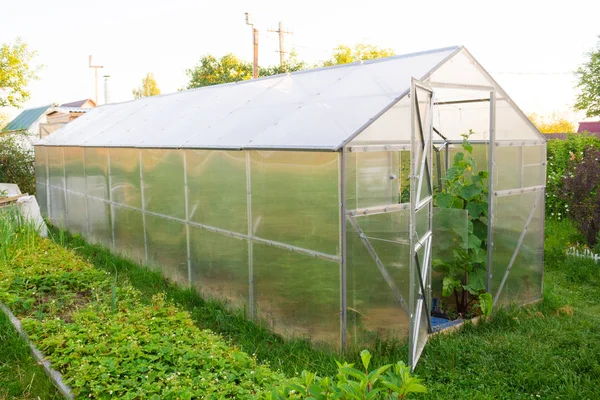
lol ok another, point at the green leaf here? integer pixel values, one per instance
(473, 242)
(365, 356)
(443, 200)
(449, 284)
(477, 281)
(459, 157)
(469, 192)
(476, 209)
(486, 303)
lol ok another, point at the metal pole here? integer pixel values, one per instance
(143, 206)
(48, 188)
(412, 297)
(250, 237)
(281, 50)
(110, 199)
(343, 264)
(491, 177)
(187, 217)
(85, 196)
(66, 215)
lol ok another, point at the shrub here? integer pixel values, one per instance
(581, 191)
(559, 154)
(17, 164)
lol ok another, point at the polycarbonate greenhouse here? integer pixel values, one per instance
(307, 198)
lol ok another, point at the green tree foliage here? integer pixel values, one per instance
(229, 68)
(344, 54)
(17, 163)
(16, 73)
(149, 87)
(588, 75)
(3, 121)
(214, 71)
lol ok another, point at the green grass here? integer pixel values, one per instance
(547, 350)
(20, 376)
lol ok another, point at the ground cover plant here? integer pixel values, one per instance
(550, 349)
(107, 342)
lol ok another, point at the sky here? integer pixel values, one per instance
(530, 47)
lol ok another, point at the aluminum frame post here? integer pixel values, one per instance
(343, 263)
(187, 217)
(64, 188)
(491, 177)
(47, 185)
(85, 195)
(110, 199)
(251, 310)
(143, 207)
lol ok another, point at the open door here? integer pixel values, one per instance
(421, 209)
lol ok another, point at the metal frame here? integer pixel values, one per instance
(343, 251)
(251, 313)
(143, 200)
(491, 179)
(420, 298)
(187, 217)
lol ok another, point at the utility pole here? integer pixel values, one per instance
(96, 68)
(282, 51)
(254, 44)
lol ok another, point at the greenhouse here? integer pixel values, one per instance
(316, 201)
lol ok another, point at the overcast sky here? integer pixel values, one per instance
(530, 47)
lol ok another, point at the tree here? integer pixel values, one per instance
(16, 73)
(291, 64)
(229, 68)
(214, 71)
(149, 87)
(344, 54)
(588, 75)
(552, 124)
(3, 121)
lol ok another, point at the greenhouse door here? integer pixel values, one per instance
(421, 207)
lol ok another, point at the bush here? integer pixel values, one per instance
(17, 164)
(581, 191)
(559, 154)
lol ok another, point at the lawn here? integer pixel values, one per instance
(20, 376)
(548, 350)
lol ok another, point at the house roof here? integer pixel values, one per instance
(78, 103)
(27, 118)
(317, 109)
(589, 126)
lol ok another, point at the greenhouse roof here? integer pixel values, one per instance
(313, 109)
(317, 109)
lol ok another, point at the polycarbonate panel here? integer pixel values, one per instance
(217, 194)
(392, 127)
(534, 175)
(164, 182)
(525, 278)
(125, 177)
(508, 167)
(376, 178)
(295, 198)
(167, 248)
(99, 222)
(129, 233)
(419, 309)
(74, 169)
(297, 295)
(76, 213)
(219, 266)
(57, 208)
(450, 232)
(373, 296)
(319, 109)
(96, 172)
(41, 193)
(55, 167)
(422, 150)
(40, 165)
